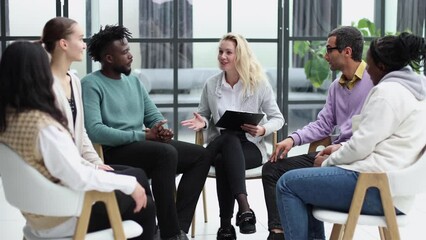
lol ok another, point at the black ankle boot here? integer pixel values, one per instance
(227, 233)
(246, 221)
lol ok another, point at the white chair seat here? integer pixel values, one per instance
(131, 229)
(341, 218)
(250, 173)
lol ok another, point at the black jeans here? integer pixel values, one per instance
(233, 155)
(161, 162)
(271, 172)
(146, 217)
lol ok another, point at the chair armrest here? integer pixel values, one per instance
(199, 138)
(274, 141)
(322, 142)
(98, 149)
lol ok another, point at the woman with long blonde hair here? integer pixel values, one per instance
(241, 86)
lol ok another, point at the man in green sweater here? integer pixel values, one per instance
(117, 108)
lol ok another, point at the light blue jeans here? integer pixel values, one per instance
(326, 187)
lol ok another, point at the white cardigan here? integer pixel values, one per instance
(82, 141)
(261, 101)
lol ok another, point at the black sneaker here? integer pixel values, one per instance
(226, 233)
(246, 221)
(275, 236)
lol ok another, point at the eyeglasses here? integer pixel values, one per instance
(330, 49)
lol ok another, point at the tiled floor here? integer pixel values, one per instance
(11, 221)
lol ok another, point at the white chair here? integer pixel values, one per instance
(254, 173)
(406, 182)
(29, 191)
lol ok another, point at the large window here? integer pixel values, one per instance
(175, 42)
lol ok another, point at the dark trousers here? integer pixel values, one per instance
(161, 162)
(271, 172)
(233, 155)
(146, 217)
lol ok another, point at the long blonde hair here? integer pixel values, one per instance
(248, 67)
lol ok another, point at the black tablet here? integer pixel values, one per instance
(233, 120)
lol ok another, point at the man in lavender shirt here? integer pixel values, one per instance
(345, 99)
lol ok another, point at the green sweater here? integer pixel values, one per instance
(117, 110)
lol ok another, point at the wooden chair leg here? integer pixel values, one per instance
(336, 232)
(364, 182)
(112, 210)
(388, 234)
(205, 204)
(114, 215)
(205, 213)
(392, 230)
(193, 227)
(83, 220)
(382, 233)
(357, 202)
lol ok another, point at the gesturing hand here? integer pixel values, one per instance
(196, 123)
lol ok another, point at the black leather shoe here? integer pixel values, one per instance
(246, 221)
(275, 236)
(226, 234)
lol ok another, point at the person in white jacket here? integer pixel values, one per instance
(63, 40)
(391, 136)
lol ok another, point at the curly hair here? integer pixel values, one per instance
(396, 52)
(99, 42)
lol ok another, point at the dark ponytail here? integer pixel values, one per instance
(396, 52)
